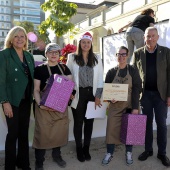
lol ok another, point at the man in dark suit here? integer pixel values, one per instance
(153, 62)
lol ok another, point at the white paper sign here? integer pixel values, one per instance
(99, 112)
(118, 92)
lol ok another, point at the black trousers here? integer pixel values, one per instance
(18, 127)
(152, 104)
(40, 155)
(85, 95)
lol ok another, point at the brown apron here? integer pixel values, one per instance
(51, 128)
(116, 110)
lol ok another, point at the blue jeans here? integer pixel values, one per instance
(151, 103)
(134, 38)
(111, 148)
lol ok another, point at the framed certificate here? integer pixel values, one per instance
(118, 92)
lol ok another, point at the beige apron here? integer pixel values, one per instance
(116, 110)
(51, 128)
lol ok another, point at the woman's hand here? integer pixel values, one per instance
(120, 30)
(97, 102)
(113, 101)
(72, 97)
(7, 110)
(135, 111)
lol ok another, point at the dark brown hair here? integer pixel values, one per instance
(147, 11)
(92, 60)
(123, 48)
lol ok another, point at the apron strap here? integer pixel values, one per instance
(60, 69)
(127, 69)
(49, 70)
(117, 72)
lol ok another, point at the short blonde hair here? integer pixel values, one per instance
(11, 35)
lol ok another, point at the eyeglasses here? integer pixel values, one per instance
(53, 53)
(121, 54)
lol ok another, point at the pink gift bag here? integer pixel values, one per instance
(133, 129)
(57, 93)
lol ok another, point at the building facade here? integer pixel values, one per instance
(19, 10)
(106, 20)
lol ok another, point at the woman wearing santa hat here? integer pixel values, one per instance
(86, 68)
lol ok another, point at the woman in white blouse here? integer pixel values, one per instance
(87, 71)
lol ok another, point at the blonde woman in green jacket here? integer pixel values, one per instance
(16, 87)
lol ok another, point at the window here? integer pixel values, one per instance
(2, 33)
(33, 5)
(7, 10)
(7, 18)
(34, 20)
(32, 12)
(7, 26)
(2, 18)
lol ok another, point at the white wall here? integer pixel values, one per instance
(109, 46)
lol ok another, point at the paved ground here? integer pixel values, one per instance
(97, 151)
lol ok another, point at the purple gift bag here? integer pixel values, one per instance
(133, 129)
(57, 93)
(38, 63)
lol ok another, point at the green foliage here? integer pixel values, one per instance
(60, 14)
(29, 27)
(74, 32)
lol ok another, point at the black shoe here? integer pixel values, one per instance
(86, 153)
(80, 155)
(165, 160)
(61, 163)
(144, 156)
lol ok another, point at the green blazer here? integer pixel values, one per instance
(13, 80)
(162, 65)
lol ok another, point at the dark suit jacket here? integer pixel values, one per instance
(13, 80)
(162, 65)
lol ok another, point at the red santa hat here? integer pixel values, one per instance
(87, 35)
